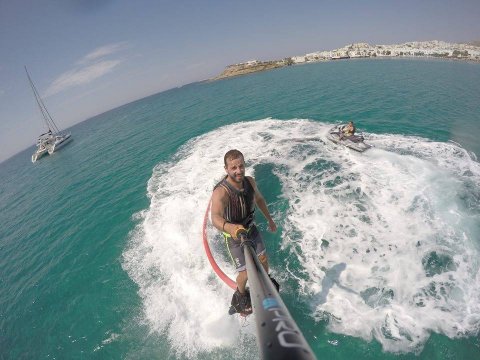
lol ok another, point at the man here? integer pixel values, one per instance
(233, 207)
(348, 130)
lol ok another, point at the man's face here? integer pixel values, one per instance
(236, 169)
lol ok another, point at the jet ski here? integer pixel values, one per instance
(354, 142)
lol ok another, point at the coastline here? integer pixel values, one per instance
(248, 68)
(413, 50)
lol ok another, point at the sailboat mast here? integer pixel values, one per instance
(43, 109)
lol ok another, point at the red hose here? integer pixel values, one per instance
(215, 267)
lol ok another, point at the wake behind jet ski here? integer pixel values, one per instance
(344, 134)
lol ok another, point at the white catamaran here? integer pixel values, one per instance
(53, 139)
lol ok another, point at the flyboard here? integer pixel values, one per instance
(278, 336)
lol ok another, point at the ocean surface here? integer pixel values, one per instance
(377, 253)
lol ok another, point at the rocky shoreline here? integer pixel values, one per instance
(435, 49)
(248, 68)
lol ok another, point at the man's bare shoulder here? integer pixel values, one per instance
(251, 180)
(219, 193)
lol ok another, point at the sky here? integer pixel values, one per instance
(89, 56)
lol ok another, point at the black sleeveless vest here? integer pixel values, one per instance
(241, 204)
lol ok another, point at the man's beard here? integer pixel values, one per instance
(234, 179)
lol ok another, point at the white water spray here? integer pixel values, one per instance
(386, 239)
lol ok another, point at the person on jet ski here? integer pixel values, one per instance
(348, 130)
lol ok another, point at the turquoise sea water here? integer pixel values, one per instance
(101, 255)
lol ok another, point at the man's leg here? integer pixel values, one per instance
(241, 302)
(264, 260)
(242, 281)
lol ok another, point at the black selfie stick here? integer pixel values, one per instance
(278, 336)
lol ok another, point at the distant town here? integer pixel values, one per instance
(433, 49)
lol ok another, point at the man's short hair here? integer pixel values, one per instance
(232, 155)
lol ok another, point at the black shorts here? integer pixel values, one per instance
(236, 252)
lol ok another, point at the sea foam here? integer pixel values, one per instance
(386, 239)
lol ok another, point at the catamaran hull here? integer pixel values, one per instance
(59, 143)
(38, 154)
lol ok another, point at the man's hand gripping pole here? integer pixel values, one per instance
(242, 235)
